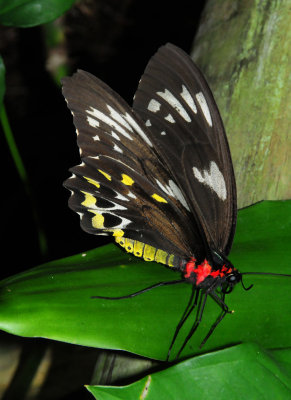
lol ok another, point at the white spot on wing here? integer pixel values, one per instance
(137, 128)
(96, 137)
(109, 121)
(163, 133)
(148, 123)
(118, 118)
(166, 189)
(170, 118)
(212, 178)
(118, 161)
(114, 135)
(123, 224)
(188, 99)
(204, 107)
(154, 106)
(178, 194)
(92, 122)
(116, 148)
(80, 215)
(119, 196)
(173, 190)
(130, 194)
(114, 206)
(174, 102)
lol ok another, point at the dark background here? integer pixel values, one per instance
(111, 39)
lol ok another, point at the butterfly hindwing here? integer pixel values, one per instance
(176, 103)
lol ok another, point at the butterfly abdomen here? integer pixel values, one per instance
(147, 252)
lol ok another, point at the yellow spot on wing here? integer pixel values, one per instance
(90, 201)
(107, 176)
(98, 220)
(118, 233)
(159, 198)
(95, 183)
(127, 180)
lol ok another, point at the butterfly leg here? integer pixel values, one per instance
(219, 319)
(199, 314)
(188, 310)
(225, 310)
(140, 291)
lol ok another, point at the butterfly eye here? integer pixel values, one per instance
(234, 278)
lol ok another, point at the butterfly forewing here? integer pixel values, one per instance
(176, 104)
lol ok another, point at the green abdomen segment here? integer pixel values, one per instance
(147, 252)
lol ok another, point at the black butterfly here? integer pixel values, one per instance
(159, 176)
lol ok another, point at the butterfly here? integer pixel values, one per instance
(158, 177)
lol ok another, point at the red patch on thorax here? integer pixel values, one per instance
(190, 266)
(203, 270)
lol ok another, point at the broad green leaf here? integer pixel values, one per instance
(26, 13)
(54, 300)
(240, 372)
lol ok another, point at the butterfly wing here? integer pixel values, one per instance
(122, 186)
(177, 105)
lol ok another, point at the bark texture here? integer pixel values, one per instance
(244, 48)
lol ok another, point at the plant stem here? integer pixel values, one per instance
(23, 176)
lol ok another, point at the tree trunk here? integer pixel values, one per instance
(244, 49)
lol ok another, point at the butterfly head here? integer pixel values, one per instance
(231, 280)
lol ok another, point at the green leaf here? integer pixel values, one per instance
(241, 372)
(54, 300)
(26, 13)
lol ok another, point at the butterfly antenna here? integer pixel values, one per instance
(168, 283)
(265, 273)
(261, 273)
(246, 288)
